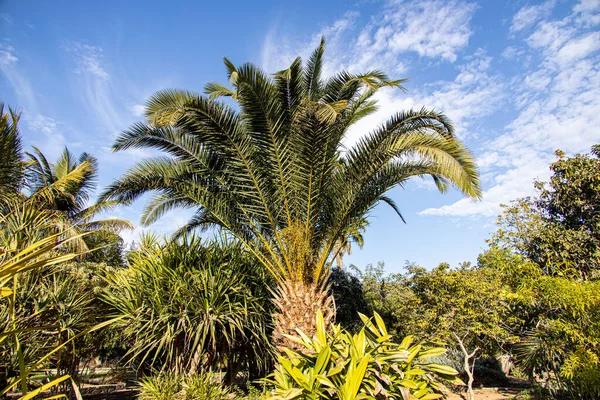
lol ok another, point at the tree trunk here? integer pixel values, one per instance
(297, 305)
(468, 367)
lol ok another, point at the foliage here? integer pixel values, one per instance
(14, 265)
(557, 321)
(170, 386)
(272, 170)
(560, 333)
(435, 304)
(108, 248)
(387, 295)
(66, 187)
(188, 304)
(366, 365)
(11, 167)
(349, 298)
(560, 228)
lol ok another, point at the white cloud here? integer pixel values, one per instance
(6, 18)
(558, 108)
(579, 48)
(88, 59)
(278, 51)
(52, 133)
(138, 110)
(7, 56)
(472, 95)
(95, 87)
(529, 15)
(14, 75)
(587, 5)
(432, 29)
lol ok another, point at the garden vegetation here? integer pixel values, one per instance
(244, 301)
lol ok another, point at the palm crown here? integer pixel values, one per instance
(66, 187)
(272, 170)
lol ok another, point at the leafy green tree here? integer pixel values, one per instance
(463, 307)
(349, 298)
(556, 320)
(273, 170)
(109, 248)
(559, 229)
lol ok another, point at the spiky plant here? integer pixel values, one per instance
(273, 170)
(188, 305)
(66, 187)
(11, 167)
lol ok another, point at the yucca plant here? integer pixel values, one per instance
(273, 170)
(367, 365)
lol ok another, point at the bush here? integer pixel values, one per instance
(349, 298)
(366, 365)
(170, 386)
(189, 305)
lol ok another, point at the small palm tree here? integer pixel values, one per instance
(11, 167)
(66, 187)
(273, 171)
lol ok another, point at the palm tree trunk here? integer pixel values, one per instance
(297, 305)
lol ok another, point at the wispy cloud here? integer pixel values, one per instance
(52, 139)
(6, 18)
(474, 93)
(558, 107)
(530, 15)
(16, 78)
(138, 110)
(431, 28)
(95, 87)
(88, 59)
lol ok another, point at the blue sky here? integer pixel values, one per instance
(519, 79)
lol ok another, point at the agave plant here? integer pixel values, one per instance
(273, 170)
(366, 365)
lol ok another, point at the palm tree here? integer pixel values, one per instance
(273, 172)
(66, 187)
(11, 167)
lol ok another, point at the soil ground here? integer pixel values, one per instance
(490, 394)
(509, 391)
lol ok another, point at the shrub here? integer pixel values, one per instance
(188, 305)
(366, 365)
(171, 386)
(349, 298)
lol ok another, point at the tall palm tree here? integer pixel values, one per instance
(272, 170)
(11, 166)
(66, 187)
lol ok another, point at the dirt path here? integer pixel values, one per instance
(491, 394)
